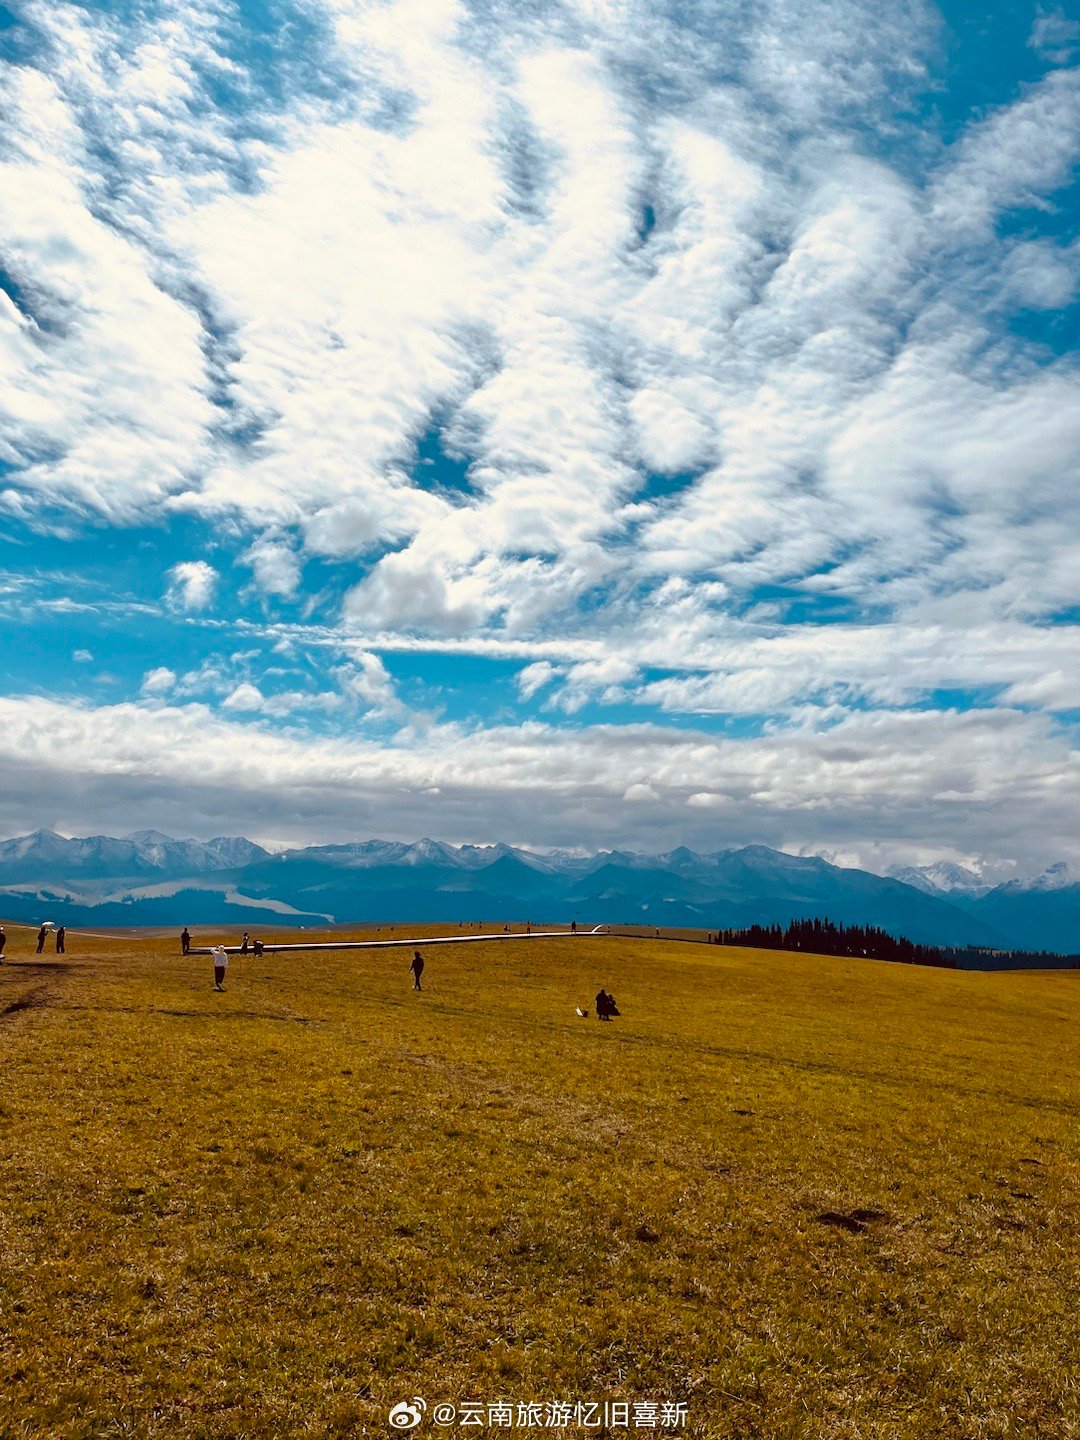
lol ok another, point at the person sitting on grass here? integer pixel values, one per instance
(221, 964)
(605, 1006)
(258, 946)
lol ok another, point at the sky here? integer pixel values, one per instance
(596, 423)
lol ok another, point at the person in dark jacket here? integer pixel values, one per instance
(185, 941)
(61, 940)
(605, 1006)
(41, 937)
(417, 968)
(245, 943)
(3, 943)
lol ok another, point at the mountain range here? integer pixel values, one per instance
(153, 879)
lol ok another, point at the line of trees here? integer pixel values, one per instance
(822, 937)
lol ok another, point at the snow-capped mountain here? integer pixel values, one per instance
(1058, 876)
(149, 878)
(943, 878)
(1042, 913)
(46, 856)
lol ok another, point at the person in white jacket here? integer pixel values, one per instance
(221, 964)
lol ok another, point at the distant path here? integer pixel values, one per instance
(416, 940)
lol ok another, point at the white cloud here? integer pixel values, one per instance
(367, 679)
(1018, 156)
(411, 588)
(595, 679)
(741, 338)
(534, 677)
(103, 396)
(1055, 35)
(640, 793)
(275, 566)
(244, 697)
(1002, 784)
(1040, 275)
(718, 375)
(191, 585)
(158, 681)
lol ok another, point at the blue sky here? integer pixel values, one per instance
(584, 423)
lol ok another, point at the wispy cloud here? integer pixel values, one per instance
(724, 343)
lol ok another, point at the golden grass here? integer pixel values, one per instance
(277, 1211)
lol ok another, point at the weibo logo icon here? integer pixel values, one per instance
(406, 1415)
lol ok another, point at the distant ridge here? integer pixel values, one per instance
(46, 855)
(151, 878)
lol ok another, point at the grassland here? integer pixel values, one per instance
(811, 1197)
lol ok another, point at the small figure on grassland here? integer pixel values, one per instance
(417, 968)
(221, 964)
(605, 1005)
(41, 937)
(3, 943)
(185, 941)
(61, 940)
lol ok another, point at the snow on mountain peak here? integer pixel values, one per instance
(945, 877)
(1054, 877)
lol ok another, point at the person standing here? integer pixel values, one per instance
(185, 941)
(417, 968)
(61, 940)
(3, 942)
(221, 964)
(41, 937)
(245, 943)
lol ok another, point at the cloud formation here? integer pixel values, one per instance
(191, 585)
(681, 355)
(809, 788)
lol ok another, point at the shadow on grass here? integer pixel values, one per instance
(33, 1000)
(40, 965)
(278, 1016)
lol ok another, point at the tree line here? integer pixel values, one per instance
(822, 937)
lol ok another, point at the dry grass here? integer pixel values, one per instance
(812, 1197)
